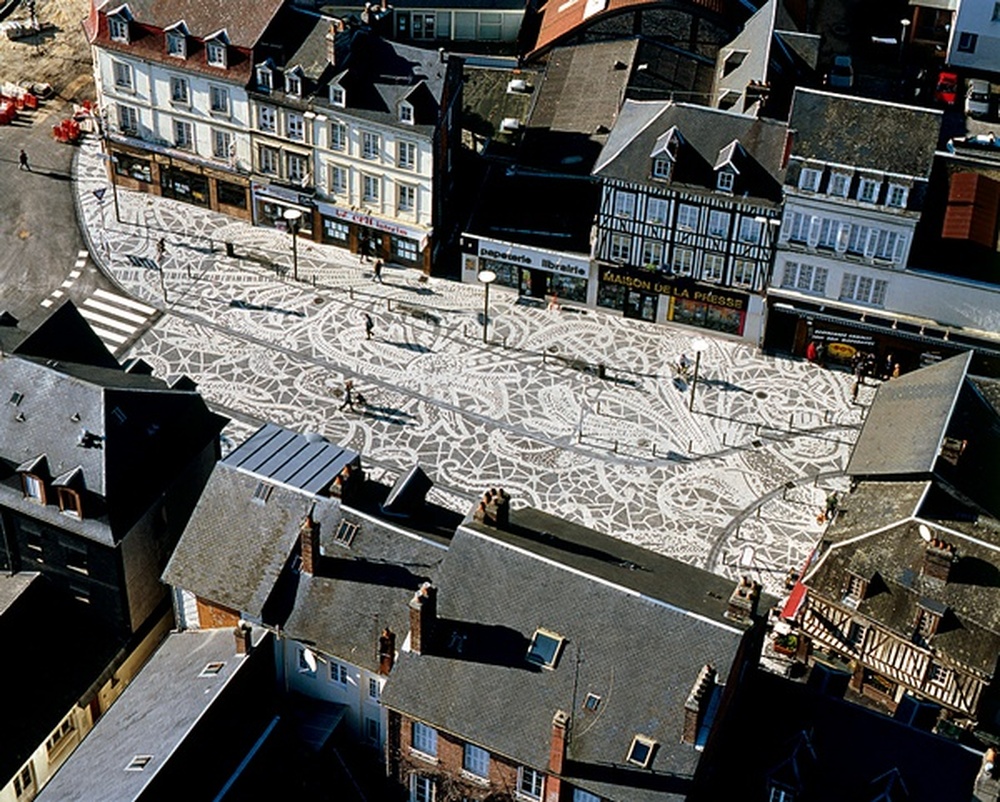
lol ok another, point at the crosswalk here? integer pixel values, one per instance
(115, 318)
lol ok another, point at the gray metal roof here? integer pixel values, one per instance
(284, 457)
(864, 133)
(640, 653)
(152, 717)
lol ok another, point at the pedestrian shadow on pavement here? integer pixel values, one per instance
(415, 347)
(722, 384)
(237, 303)
(387, 414)
(415, 290)
(53, 174)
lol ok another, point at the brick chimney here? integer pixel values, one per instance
(423, 616)
(939, 557)
(244, 642)
(557, 756)
(309, 544)
(331, 35)
(697, 702)
(494, 509)
(386, 651)
(743, 601)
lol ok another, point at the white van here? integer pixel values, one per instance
(977, 98)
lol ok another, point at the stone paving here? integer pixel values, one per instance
(622, 454)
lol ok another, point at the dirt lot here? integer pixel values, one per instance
(60, 57)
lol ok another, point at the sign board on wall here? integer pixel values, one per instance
(535, 258)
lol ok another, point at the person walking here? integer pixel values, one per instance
(348, 396)
(22, 161)
(369, 326)
(377, 270)
(161, 250)
(855, 385)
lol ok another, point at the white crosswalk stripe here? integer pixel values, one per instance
(115, 318)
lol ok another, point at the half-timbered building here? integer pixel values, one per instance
(690, 198)
(902, 590)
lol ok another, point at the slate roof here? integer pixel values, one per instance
(62, 647)
(706, 133)
(863, 133)
(243, 20)
(640, 653)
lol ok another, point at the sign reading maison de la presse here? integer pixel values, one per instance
(683, 288)
(540, 260)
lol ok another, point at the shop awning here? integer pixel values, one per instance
(794, 602)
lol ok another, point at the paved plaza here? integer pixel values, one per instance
(734, 485)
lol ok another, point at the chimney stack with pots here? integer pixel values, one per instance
(557, 755)
(939, 557)
(494, 509)
(423, 616)
(386, 651)
(309, 544)
(743, 601)
(696, 704)
(347, 483)
(243, 634)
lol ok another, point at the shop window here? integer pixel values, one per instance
(406, 249)
(422, 25)
(335, 231)
(231, 194)
(131, 167)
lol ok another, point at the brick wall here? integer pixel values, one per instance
(212, 616)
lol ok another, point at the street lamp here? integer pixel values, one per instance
(292, 216)
(904, 24)
(699, 344)
(487, 277)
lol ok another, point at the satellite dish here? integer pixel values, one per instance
(310, 659)
(925, 532)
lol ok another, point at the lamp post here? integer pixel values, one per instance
(487, 277)
(699, 344)
(292, 217)
(904, 25)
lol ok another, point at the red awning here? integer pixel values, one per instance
(795, 599)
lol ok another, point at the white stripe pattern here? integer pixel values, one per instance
(115, 318)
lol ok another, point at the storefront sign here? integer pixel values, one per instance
(682, 288)
(550, 261)
(853, 338)
(280, 193)
(370, 221)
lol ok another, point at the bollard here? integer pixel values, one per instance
(690, 446)
(616, 446)
(544, 358)
(350, 293)
(654, 450)
(579, 436)
(723, 438)
(388, 304)
(758, 511)
(791, 421)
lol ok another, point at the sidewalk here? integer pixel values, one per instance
(528, 412)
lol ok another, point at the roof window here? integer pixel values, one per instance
(212, 669)
(345, 533)
(640, 753)
(545, 648)
(138, 763)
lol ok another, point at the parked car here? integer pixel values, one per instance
(946, 90)
(841, 73)
(977, 98)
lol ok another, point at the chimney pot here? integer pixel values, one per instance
(386, 651)
(423, 616)
(557, 755)
(244, 642)
(743, 601)
(939, 557)
(309, 544)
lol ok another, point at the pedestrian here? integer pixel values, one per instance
(369, 326)
(348, 395)
(811, 351)
(890, 363)
(554, 303)
(362, 251)
(378, 271)
(821, 355)
(684, 365)
(855, 386)
(22, 161)
(161, 249)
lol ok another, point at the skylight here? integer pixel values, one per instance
(261, 492)
(545, 648)
(211, 670)
(641, 751)
(592, 702)
(345, 533)
(138, 763)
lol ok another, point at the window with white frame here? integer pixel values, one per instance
(33, 489)
(406, 249)
(805, 278)
(123, 75)
(797, 226)
(839, 185)
(305, 666)
(652, 254)
(897, 196)
(857, 240)
(370, 188)
(407, 198)
(725, 181)
(624, 205)
(425, 739)
(938, 674)
(749, 230)
(422, 25)
(683, 261)
(374, 689)
(293, 84)
(295, 126)
(476, 761)
(406, 155)
(371, 145)
(219, 99)
(718, 223)
(661, 168)
(337, 179)
(338, 673)
(888, 245)
(868, 189)
(338, 97)
(265, 79)
(828, 232)
(24, 781)
(267, 119)
(267, 158)
(621, 247)
(743, 272)
(656, 211)
(863, 289)
(222, 144)
(579, 795)
(176, 44)
(118, 28)
(338, 136)
(335, 230)
(530, 783)
(422, 788)
(855, 635)
(183, 137)
(713, 267)
(179, 90)
(128, 119)
(780, 795)
(687, 217)
(809, 179)
(406, 113)
(298, 168)
(215, 53)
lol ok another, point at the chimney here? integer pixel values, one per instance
(244, 643)
(386, 651)
(309, 548)
(787, 154)
(939, 556)
(423, 615)
(494, 509)
(697, 701)
(557, 756)
(331, 36)
(743, 601)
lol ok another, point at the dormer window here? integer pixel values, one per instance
(265, 78)
(545, 648)
(839, 185)
(854, 593)
(338, 97)
(662, 168)
(118, 27)
(640, 753)
(406, 113)
(177, 43)
(293, 84)
(215, 53)
(897, 196)
(725, 181)
(868, 189)
(926, 626)
(809, 179)
(34, 487)
(69, 502)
